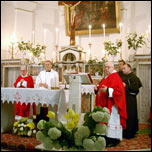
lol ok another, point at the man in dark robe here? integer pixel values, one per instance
(111, 94)
(120, 67)
(24, 81)
(132, 84)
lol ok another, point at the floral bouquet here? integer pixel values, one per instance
(112, 48)
(24, 127)
(71, 136)
(37, 50)
(135, 41)
(27, 46)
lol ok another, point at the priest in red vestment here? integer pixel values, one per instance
(111, 94)
(24, 81)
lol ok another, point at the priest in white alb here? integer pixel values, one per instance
(46, 79)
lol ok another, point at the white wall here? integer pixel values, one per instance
(135, 15)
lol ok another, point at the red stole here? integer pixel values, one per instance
(113, 81)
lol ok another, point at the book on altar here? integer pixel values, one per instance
(85, 77)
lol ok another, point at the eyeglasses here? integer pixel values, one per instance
(108, 67)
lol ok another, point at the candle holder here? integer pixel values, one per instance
(56, 47)
(45, 54)
(12, 48)
(90, 44)
(121, 52)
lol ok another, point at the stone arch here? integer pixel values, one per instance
(69, 57)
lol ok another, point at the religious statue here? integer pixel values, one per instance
(72, 20)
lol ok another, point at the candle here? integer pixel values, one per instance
(120, 28)
(149, 28)
(33, 37)
(57, 30)
(103, 25)
(89, 33)
(15, 20)
(44, 39)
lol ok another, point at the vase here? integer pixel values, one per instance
(36, 60)
(135, 51)
(113, 57)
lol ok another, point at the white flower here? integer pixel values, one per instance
(19, 125)
(14, 130)
(34, 131)
(21, 129)
(29, 133)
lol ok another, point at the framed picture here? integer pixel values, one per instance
(94, 13)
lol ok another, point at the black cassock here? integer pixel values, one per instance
(133, 84)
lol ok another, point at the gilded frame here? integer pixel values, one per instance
(99, 29)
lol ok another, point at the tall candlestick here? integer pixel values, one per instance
(89, 33)
(57, 30)
(44, 40)
(120, 38)
(103, 25)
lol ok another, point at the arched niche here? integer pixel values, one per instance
(69, 57)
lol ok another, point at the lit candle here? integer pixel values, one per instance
(120, 25)
(44, 40)
(149, 28)
(57, 30)
(103, 25)
(89, 33)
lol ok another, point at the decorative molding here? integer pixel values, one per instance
(25, 6)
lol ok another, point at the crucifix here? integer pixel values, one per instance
(72, 5)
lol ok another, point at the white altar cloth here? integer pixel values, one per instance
(31, 95)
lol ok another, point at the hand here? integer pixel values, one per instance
(45, 85)
(103, 89)
(40, 84)
(34, 116)
(22, 80)
(96, 87)
(124, 84)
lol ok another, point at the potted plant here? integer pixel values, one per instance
(135, 41)
(74, 136)
(24, 127)
(35, 51)
(112, 48)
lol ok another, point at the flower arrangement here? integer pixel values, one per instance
(37, 50)
(71, 136)
(27, 46)
(135, 41)
(24, 127)
(112, 48)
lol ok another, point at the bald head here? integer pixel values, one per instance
(109, 67)
(23, 70)
(109, 63)
(23, 67)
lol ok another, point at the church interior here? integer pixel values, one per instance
(78, 38)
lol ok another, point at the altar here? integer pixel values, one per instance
(29, 95)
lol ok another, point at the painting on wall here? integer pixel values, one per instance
(94, 13)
